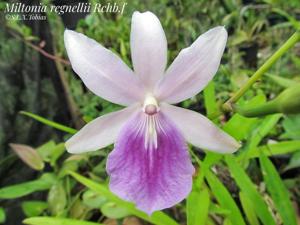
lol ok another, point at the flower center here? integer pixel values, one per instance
(150, 106)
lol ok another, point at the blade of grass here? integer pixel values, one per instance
(284, 82)
(210, 102)
(197, 207)
(248, 209)
(278, 191)
(210, 159)
(233, 126)
(259, 133)
(279, 148)
(56, 221)
(247, 187)
(2, 215)
(263, 129)
(217, 209)
(22, 189)
(158, 218)
(224, 198)
(49, 122)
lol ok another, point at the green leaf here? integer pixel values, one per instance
(57, 199)
(216, 209)
(49, 122)
(259, 133)
(92, 199)
(44, 149)
(197, 207)
(291, 125)
(284, 82)
(249, 189)
(123, 49)
(22, 189)
(112, 210)
(210, 159)
(263, 129)
(158, 218)
(2, 215)
(224, 198)
(57, 153)
(279, 148)
(78, 210)
(278, 191)
(291, 18)
(210, 102)
(239, 37)
(210, 221)
(233, 126)
(294, 161)
(68, 165)
(34, 208)
(248, 208)
(227, 222)
(56, 221)
(50, 152)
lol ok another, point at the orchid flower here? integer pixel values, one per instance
(150, 164)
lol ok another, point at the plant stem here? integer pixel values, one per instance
(49, 122)
(260, 110)
(57, 28)
(40, 50)
(258, 74)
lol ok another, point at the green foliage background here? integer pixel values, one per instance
(258, 185)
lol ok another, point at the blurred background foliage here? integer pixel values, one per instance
(41, 182)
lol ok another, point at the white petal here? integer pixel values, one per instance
(103, 72)
(148, 48)
(100, 132)
(200, 131)
(193, 68)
